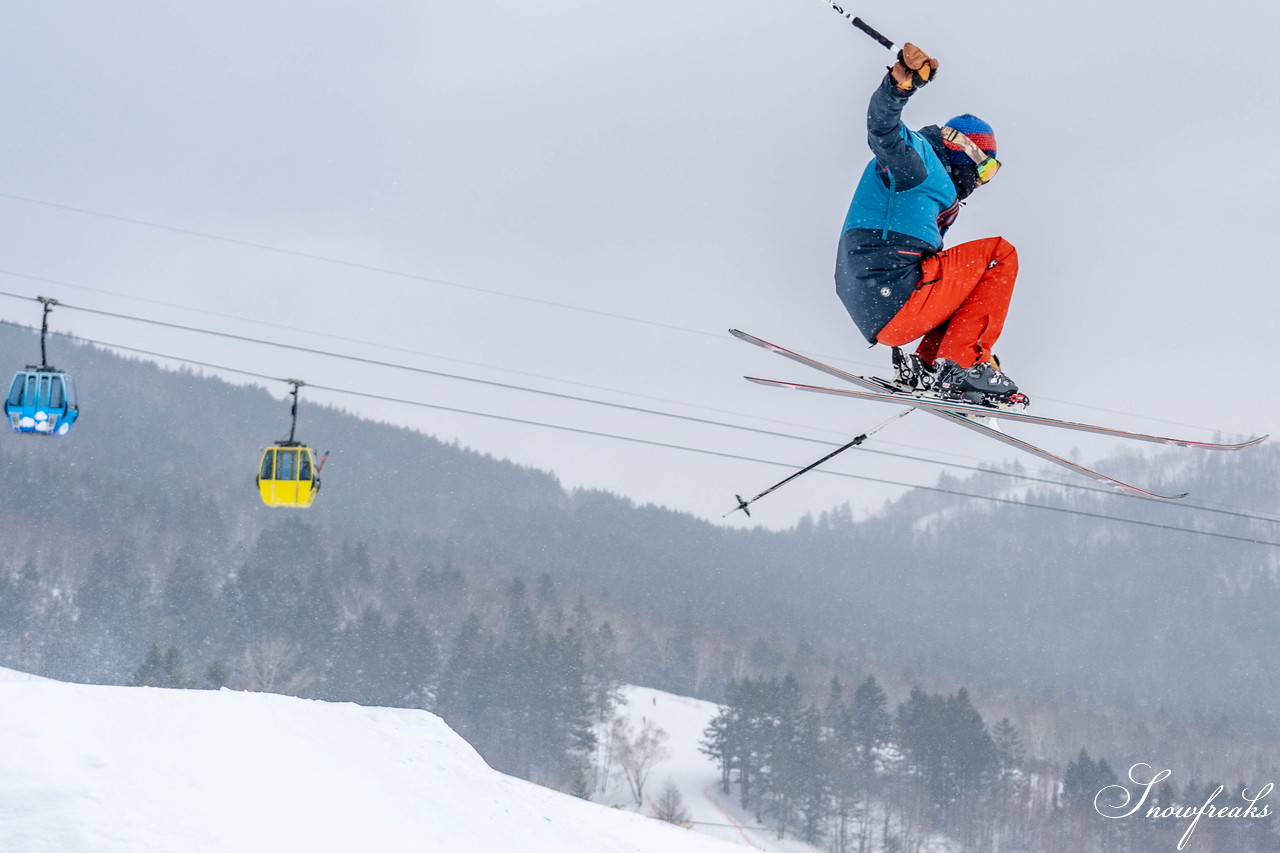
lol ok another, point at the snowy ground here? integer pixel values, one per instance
(90, 769)
(712, 812)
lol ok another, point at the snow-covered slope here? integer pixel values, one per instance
(696, 776)
(106, 769)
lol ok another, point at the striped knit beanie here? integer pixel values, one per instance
(977, 130)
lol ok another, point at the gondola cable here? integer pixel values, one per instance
(983, 470)
(722, 454)
(568, 397)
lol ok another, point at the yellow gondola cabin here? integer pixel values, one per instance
(287, 476)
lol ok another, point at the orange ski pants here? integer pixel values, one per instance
(959, 307)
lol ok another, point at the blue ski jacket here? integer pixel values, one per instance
(904, 203)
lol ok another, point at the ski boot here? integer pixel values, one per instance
(910, 373)
(983, 384)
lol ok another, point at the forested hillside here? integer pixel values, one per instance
(429, 574)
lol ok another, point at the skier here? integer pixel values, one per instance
(892, 273)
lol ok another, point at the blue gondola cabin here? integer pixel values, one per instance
(41, 402)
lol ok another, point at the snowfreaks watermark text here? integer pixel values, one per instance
(1117, 801)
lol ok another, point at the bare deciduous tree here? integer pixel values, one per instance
(271, 666)
(637, 756)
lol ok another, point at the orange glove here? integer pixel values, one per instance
(914, 68)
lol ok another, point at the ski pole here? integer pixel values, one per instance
(863, 25)
(743, 504)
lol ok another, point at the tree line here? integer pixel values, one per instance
(524, 681)
(855, 775)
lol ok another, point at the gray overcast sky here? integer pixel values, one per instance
(680, 162)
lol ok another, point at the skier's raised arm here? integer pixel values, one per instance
(886, 134)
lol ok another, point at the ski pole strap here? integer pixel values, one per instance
(863, 25)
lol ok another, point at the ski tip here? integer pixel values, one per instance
(1127, 489)
(773, 383)
(1209, 445)
(750, 338)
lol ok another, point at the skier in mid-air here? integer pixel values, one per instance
(892, 273)
(900, 285)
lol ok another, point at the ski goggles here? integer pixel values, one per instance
(986, 164)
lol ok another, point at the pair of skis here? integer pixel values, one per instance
(969, 416)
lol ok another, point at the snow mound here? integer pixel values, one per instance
(140, 770)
